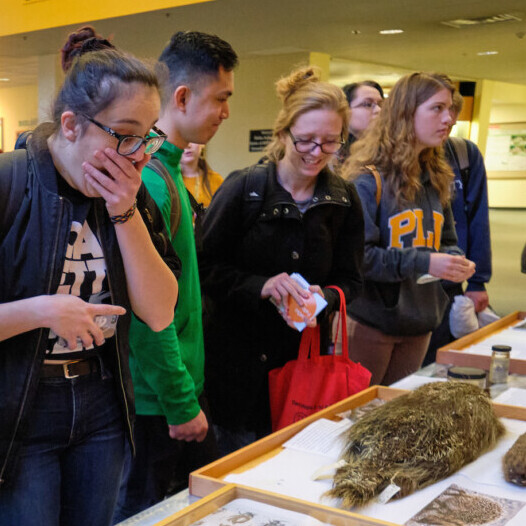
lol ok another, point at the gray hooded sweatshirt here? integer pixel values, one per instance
(399, 239)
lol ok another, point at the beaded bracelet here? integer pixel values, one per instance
(122, 218)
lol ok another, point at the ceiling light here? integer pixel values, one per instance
(390, 31)
(460, 23)
(483, 53)
(4, 80)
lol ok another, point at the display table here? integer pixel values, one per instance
(474, 350)
(210, 486)
(159, 512)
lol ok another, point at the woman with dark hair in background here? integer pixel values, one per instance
(265, 222)
(86, 244)
(410, 239)
(365, 101)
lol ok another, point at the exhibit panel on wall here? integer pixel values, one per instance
(506, 150)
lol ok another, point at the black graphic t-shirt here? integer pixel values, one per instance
(84, 273)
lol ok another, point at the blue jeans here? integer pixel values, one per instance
(70, 464)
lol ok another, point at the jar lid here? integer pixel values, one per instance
(501, 348)
(467, 373)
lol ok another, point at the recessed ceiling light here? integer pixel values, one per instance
(390, 31)
(4, 80)
(483, 53)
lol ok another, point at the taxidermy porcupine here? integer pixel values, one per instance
(415, 440)
(514, 462)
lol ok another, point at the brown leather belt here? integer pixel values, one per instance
(71, 369)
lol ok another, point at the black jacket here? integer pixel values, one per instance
(248, 238)
(32, 257)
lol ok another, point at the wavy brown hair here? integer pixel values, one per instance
(390, 142)
(303, 91)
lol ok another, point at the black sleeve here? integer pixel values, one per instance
(153, 219)
(347, 272)
(223, 227)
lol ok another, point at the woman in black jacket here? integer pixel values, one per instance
(288, 215)
(85, 246)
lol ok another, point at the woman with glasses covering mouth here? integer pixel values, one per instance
(83, 248)
(290, 214)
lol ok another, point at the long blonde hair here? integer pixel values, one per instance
(390, 142)
(301, 92)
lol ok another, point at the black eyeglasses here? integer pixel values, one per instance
(368, 104)
(129, 144)
(308, 146)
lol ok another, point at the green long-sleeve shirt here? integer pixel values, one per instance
(168, 366)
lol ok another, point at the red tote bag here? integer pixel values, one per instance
(313, 382)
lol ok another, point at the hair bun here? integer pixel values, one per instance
(81, 41)
(299, 78)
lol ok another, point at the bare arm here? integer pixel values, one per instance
(68, 316)
(152, 287)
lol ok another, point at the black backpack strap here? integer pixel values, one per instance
(193, 203)
(13, 182)
(254, 194)
(199, 211)
(460, 153)
(175, 210)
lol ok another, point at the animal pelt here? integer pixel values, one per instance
(514, 462)
(415, 440)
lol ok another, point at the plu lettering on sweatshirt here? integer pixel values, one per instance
(411, 222)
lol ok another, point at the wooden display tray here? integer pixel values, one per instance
(452, 353)
(219, 498)
(211, 477)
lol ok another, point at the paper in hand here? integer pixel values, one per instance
(312, 306)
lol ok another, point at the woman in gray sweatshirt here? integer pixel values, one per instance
(404, 184)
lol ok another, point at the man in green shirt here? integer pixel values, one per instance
(172, 432)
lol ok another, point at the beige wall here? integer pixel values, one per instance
(508, 105)
(19, 109)
(253, 106)
(513, 112)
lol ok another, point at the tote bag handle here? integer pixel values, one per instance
(342, 321)
(310, 339)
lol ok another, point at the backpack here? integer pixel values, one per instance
(198, 210)
(13, 180)
(254, 193)
(175, 209)
(459, 149)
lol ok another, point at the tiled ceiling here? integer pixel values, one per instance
(348, 30)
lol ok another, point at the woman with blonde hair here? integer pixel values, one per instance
(410, 242)
(290, 214)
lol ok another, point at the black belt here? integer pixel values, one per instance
(71, 369)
